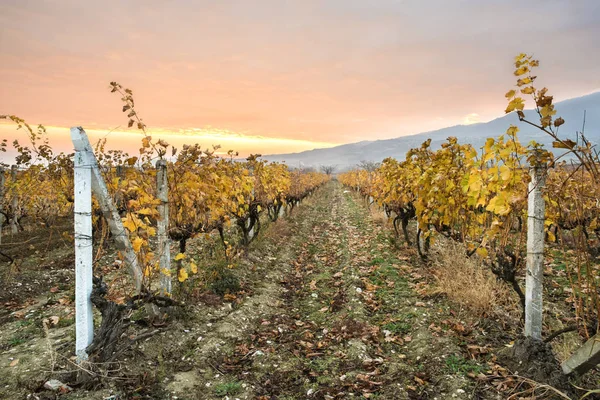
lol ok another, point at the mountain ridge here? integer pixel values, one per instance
(347, 155)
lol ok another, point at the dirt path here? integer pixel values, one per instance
(332, 312)
(335, 317)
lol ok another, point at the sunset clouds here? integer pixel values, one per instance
(310, 72)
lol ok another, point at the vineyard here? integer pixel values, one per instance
(457, 272)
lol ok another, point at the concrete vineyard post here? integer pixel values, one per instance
(15, 201)
(535, 254)
(162, 189)
(109, 211)
(2, 182)
(84, 323)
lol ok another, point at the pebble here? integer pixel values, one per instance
(56, 385)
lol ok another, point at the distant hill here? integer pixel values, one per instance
(348, 155)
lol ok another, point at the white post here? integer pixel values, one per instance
(15, 201)
(82, 144)
(535, 254)
(84, 322)
(251, 232)
(282, 210)
(162, 189)
(2, 182)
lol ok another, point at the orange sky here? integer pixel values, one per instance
(285, 76)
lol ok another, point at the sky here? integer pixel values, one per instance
(277, 76)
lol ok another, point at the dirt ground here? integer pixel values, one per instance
(332, 306)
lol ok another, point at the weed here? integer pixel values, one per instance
(228, 389)
(398, 327)
(64, 322)
(16, 340)
(459, 365)
(377, 261)
(226, 282)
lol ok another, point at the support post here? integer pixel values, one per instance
(282, 210)
(84, 322)
(122, 242)
(14, 202)
(535, 253)
(162, 189)
(585, 358)
(2, 185)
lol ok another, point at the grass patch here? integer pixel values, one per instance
(64, 322)
(460, 365)
(398, 327)
(228, 389)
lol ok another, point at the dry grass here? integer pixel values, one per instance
(565, 345)
(278, 229)
(378, 217)
(467, 282)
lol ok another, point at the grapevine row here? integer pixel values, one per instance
(479, 196)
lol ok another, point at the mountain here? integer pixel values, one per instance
(348, 155)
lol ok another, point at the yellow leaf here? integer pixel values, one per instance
(129, 224)
(520, 57)
(193, 268)
(505, 173)
(565, 144)
(179, 256)
(527, 90)
(183, 275)
(137, 244)
(510, 94)
(521, 70)
(482, 251)
(512, 130)
(547, 111)
(524, 81)
(515, 104)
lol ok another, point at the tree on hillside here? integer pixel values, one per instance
(368, 166)
(328, 169)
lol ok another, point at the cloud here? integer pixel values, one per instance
(130, 140)
(472, 118)
(328, 71)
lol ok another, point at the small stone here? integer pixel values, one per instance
(56, 386)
